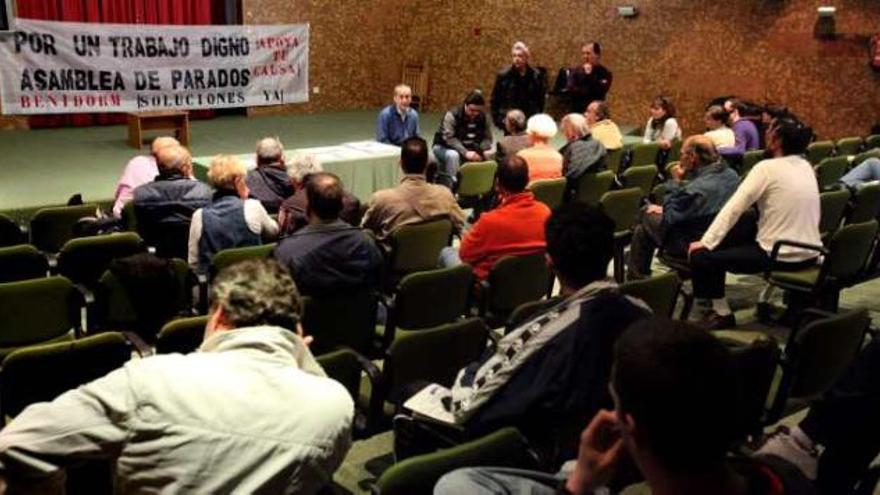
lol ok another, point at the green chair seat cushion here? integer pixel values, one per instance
(805, 278)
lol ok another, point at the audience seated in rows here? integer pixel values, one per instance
(581, 154)
(786, 193)
(716, 120)
(292, 213)
(164, 207)
(515, 227)
(602, 128)
(551, 372)
(329, 256)
(463, 136)
(675, 391)
(543, 160)
(519, 86)
(231, 220)
(515, 138)
(700, 185)
(414, 200)
(138, 171)
(662, 128)
(398, 121)
(251, 412)
(268, 182)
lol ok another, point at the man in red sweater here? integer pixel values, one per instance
(516, 227)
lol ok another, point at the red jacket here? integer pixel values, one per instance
(514, 228)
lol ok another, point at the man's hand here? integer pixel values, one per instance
(472, 156)
(695, 246)
(588, 68)
(600, 448)
(654, 210)
(665, 144)
(677, 172)
(307, 339)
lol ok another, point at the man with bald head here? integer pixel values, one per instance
(515, 227)
(164, 207)
(269, 182)
(138, 171)
(696, 192)
(329, 256)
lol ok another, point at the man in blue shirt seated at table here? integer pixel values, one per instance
(398, 121)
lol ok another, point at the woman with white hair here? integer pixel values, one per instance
(543, 160)
(231, 220)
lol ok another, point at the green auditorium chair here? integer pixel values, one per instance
(551, 192)
(38, 311)
(674, 151)
(11, 233)
(416, 247)
(623, 207)
(231, 256)
(750, 159)
(591, 187)
(22, 262)
(183, 335)
(529, 310)
(816, 355)
(40, 373)
(832, 207)
(830, 170)
(129, 219)
(506, 447)
(512, 281)
(346, 367)
(848, 146)
(341, 320)
(644, 154)
(641, 177)
(872, 141)
(844, 263)
(85, 259)
(819, 150)
(429, 355)
(475, 181)
(50, 228)
(428, 299)
(613, 160)
(865, 204)
(659, 292)
(871, 153)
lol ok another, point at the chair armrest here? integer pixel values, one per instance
(142, 348)
(88, 302)
(201, 281)
(774, 253)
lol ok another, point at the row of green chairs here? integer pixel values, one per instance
(844, 147)
(49, 228)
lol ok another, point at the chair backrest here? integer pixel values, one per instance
(623, 207)
(750, 159)
(849, 250)
(183, 335)
(866, 204)
(641, 177)
(659, 292)
(613, 160)
(42, 373)
(848, 146)
(872, 141)
(228, 257)
(551, 192)
(415, 75)
(129, 219)
(120, 305)
(433, 355)
(591, 187)
(818, 151)
(874, 153)
(756, 365)
(830, 170)
(832, 206)
(85, 259)
(343, 365)
(515, 280)
(11, 233)
(347, 320)
(526, 311)
(416, 301)
(503, 448)
(38, 310)
(823, 350)
(644, 154)
(22, 262)
(476, 179)
(51, 227)
(416, 247)
(674, 151)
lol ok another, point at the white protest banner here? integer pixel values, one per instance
(71, 67)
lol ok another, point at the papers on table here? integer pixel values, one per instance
(357, 150)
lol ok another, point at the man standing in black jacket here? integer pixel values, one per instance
(589, 81)
(520, 86)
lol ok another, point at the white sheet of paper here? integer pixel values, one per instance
(428, 402)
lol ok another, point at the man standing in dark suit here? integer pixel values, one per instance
(520, 86)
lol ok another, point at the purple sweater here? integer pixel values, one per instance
(746, 135)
